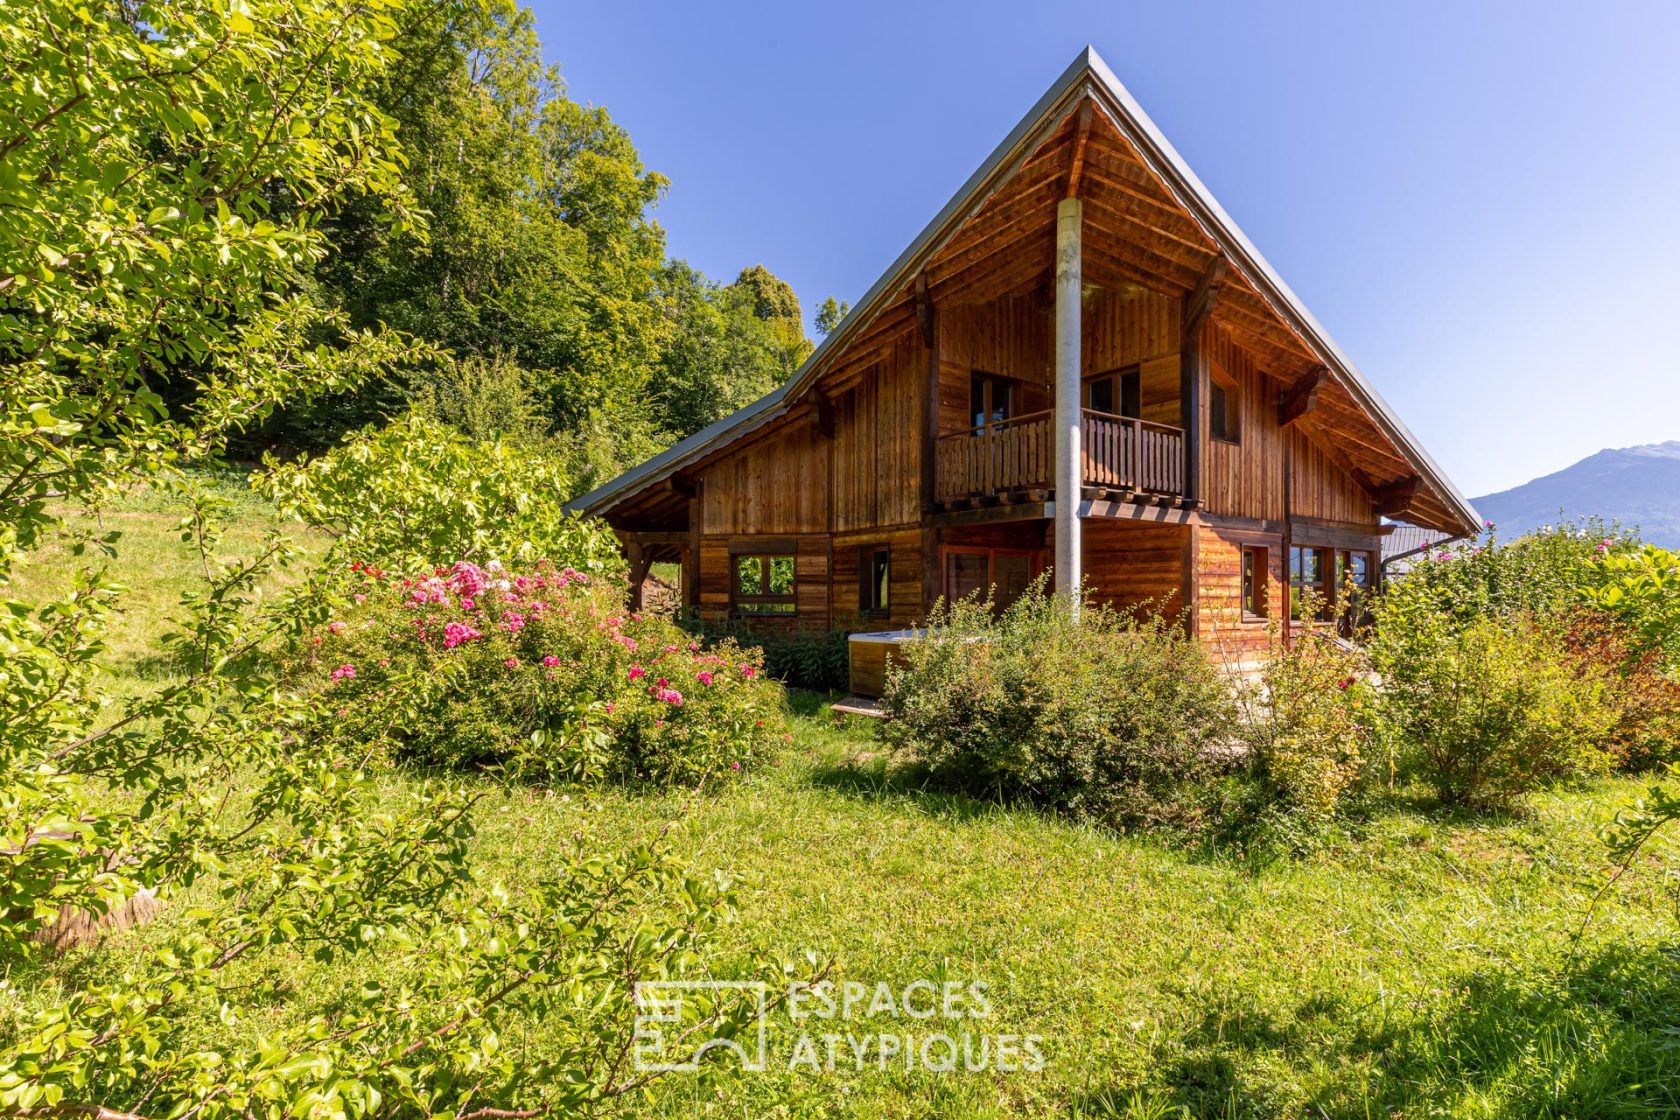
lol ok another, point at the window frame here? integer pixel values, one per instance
(763, 604)
(1119, 379)
(874, 595)
(1255, 582)
(1034, 558)
(989, 383)
(1323, 586)
(1230, 415)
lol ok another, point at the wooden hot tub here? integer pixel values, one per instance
(869, 654)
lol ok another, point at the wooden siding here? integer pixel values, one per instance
(812, 588)
(1135, 326)
(877, 445)
(1134, 565)
(777, 484)
(1220, 623)
(1246, 478)
(1008, 337)
(904, 592)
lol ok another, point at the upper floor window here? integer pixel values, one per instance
(763, 584)
(1116, 393)
(1222, 410)
(874, 579)
(992, 399)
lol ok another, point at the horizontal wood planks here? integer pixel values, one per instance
(1222, 625)
(1133, 565)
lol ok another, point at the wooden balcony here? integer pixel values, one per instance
(1011, 461)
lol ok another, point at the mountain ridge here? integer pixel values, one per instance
(1636, 487)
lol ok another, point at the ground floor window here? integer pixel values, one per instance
(1004, 572)
(1309, 577)
(874, 579)
(1254, 582)
(763, 584)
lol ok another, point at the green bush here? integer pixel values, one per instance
(1488, 711)
(1117, 718)
(1307, 724)
(542, 674)
(804, 657)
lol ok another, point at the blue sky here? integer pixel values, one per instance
(1478, 200)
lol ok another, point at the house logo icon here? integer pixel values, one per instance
(676, 1021)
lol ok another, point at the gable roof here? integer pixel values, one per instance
(1087, 76)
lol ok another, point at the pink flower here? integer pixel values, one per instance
(455, 633)
(746, 670)
(637, 672)
(734, 765)
(344, 672)
(467, 604)
(703, 677)
(335, 627)
(551, 661)
(661, 682)
(513, 622)
(512, 663)
(670, 696)
(609, 707)
(359, 597)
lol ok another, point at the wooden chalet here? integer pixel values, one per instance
(1080, 365)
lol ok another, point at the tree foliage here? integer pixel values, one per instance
(168, 169)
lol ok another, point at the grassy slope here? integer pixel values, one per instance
(1422, 967)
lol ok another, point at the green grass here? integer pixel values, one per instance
(1424, 964)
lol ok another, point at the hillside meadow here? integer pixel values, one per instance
(1417, 963)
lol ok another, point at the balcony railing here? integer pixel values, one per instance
(1014, 457)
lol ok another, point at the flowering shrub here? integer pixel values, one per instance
(1308, 725)
(1115, 718)
(542, 673)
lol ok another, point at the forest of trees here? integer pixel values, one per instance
(543, 271)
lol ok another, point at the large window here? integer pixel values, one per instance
(992, 400)
(1309, 576)
(1116, 393)
(1254, 583)
(763, 584)
(874, 579)
(1003, 572)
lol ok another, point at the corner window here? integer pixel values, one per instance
(763, 584)
(874, 580)
(1309, 574)
(1254, 583)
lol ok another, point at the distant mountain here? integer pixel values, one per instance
(1636, 486)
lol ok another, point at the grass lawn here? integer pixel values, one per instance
(1422, 965)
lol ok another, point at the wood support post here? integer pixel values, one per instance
(1068, 367)
(929, 324)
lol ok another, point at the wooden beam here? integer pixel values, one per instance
(680, 486)
(1395, 497)
(1080, 140)
(1301, 397)
(924, 309)
(823, 413)
(1200, 303)
(929, 321)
